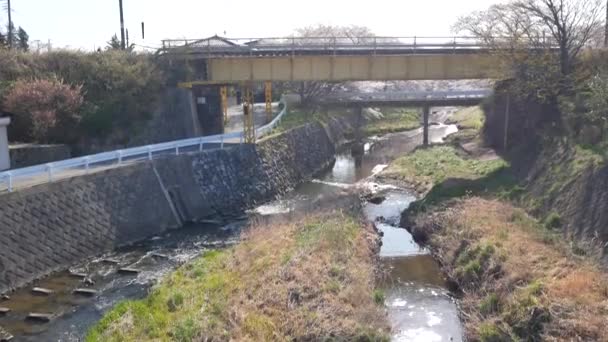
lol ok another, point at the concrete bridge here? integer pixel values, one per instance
(424, 100)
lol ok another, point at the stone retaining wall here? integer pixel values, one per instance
(51, 226)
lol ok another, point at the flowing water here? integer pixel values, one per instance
(72, 314)
(418, 303)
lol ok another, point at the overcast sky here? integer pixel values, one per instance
(88, 24)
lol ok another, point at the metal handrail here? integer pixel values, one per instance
(401, 95)
(50, 171)
(293, 43)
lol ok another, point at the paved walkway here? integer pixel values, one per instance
(235, 116)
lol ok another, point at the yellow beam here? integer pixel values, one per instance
(248, 115)
(447, 66)
(224, 95)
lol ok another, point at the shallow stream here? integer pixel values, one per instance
(419, 306)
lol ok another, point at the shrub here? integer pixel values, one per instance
(489, 332)
(46, 110)
(553, 221)
(379, 297)
(120, 89)
(490, 305)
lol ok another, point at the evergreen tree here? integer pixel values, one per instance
(23, 39)
(114, 43)
(3, 41)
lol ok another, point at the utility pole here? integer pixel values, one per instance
(10, 25)
(122, 26)
(605, 26)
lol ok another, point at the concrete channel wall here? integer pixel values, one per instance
(49, 227)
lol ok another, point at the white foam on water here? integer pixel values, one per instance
(398, 303)
(417, 335)
(432, 319)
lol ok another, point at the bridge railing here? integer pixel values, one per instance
(50, 172)
(406, 96)
(219, 45)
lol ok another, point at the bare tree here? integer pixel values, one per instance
(569, 25)
(310, 91)
(501, 26)
(572, 24)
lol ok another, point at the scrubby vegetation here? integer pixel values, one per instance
(306, 279)
(393, 120)
(119, 92)
(445, 167)
(521, 280)
(300, 115)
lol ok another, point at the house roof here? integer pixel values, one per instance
(213, 41)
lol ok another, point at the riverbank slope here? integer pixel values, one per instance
(309, 277)
(518, 277)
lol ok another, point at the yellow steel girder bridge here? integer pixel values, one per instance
(217, 61)
(222, 60)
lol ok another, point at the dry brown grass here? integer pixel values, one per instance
(529, 284)
(306, 279)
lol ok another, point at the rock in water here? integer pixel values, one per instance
(40, 317)
(5, 336)
(42, 291)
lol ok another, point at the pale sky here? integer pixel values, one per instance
(87, 24)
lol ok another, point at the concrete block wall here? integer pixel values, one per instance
(51, 226)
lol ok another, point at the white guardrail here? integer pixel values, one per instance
(45, 173)
(410, 96)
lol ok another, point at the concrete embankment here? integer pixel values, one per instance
(51, 226)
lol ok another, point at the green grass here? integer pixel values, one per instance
(170, 315)
(439, 163)
(445, 174)
(469, 118)
(309, 277)
(394, 120)
(298, 116)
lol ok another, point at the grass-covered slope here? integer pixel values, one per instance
(521, 281)
(308, 279)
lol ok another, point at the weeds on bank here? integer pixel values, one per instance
(308, 279)
(521, 280)
(394, 120)
(296, 117)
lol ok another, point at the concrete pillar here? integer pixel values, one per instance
(359, 123)
(5, 159)
(208, 103)
(425, 125)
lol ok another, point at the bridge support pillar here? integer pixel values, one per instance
(248, 115)
(425, 125)
(208, 102)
